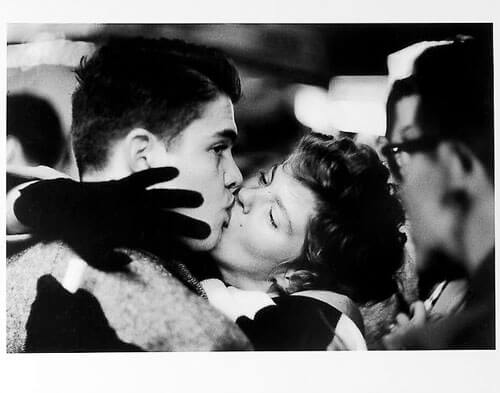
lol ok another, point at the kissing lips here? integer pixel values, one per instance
(228, 211)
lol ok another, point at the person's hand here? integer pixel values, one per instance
(403, 325)
(99, 216)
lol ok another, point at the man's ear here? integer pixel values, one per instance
(460, 166)
(139, 148)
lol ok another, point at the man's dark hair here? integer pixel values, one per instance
(36, 124)
(354, 244)
(455, 83)
(160, 85)
(455, 86)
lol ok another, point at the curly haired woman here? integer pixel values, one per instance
(317, 233)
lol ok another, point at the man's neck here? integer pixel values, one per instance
(105, 174)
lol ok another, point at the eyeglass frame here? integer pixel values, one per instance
(422, 144)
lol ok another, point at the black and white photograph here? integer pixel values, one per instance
(249, 189)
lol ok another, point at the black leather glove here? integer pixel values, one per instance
(94, 218)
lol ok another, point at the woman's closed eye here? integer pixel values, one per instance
(262, 179)
(271, 219)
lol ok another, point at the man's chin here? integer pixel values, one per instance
(204, 245)
(435, 266)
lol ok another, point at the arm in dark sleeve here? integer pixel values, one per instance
(295, 323)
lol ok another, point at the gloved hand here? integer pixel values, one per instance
(94, 218)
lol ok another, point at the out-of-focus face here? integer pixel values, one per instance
(202, 153)
(268, 224)
(422, 186)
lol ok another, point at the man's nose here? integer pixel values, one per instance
(232, 175)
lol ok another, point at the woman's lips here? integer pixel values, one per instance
(228, 213)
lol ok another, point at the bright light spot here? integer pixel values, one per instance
(311, 107)
(353, 104)
(363, 117)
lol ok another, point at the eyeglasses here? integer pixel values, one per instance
(393, 152)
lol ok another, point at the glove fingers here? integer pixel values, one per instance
(162, 198)
(152, 176)
(175, 224)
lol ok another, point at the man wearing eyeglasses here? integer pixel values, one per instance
(440, 129)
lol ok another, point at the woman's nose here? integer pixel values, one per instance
(246, 197)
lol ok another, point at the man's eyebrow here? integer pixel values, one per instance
(402, 133)
(406, 130)
(228, 133)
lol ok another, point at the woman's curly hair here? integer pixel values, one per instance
(353, 244)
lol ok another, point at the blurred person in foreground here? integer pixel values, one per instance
(140, 104)
(440, 128)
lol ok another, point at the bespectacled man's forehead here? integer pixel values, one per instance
(405, 127)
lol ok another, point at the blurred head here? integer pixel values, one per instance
(144, 103)
(440, 125)
(326, 218)
(34, 133)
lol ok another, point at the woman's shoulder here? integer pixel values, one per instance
(338, 301)
(300, 306)
(292, 323)
(349, 328)
(302, 321)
